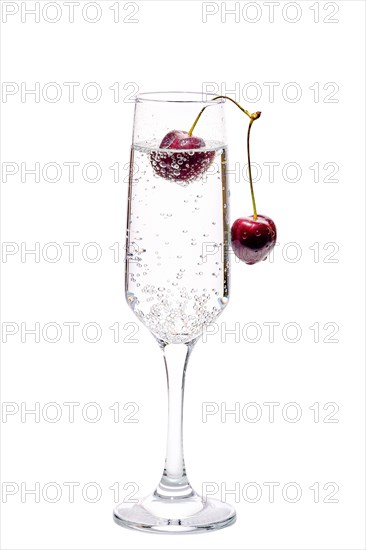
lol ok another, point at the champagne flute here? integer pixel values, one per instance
(177, 277)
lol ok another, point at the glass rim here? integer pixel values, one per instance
(205, 97)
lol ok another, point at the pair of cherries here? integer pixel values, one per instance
(252, 237)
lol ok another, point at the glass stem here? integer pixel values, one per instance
(174, 482)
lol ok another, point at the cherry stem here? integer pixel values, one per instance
(250, 115)
(253, 117)
(255, 215)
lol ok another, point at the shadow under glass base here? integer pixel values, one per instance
(175, 515)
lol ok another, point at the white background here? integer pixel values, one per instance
(320, 119)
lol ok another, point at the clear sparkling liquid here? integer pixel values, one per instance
(177, 266)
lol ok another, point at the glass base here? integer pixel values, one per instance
(175, 515)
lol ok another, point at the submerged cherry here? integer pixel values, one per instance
(253, 239)
(179, 165)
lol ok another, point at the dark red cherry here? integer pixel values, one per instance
(181, 166)
(252, 240)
